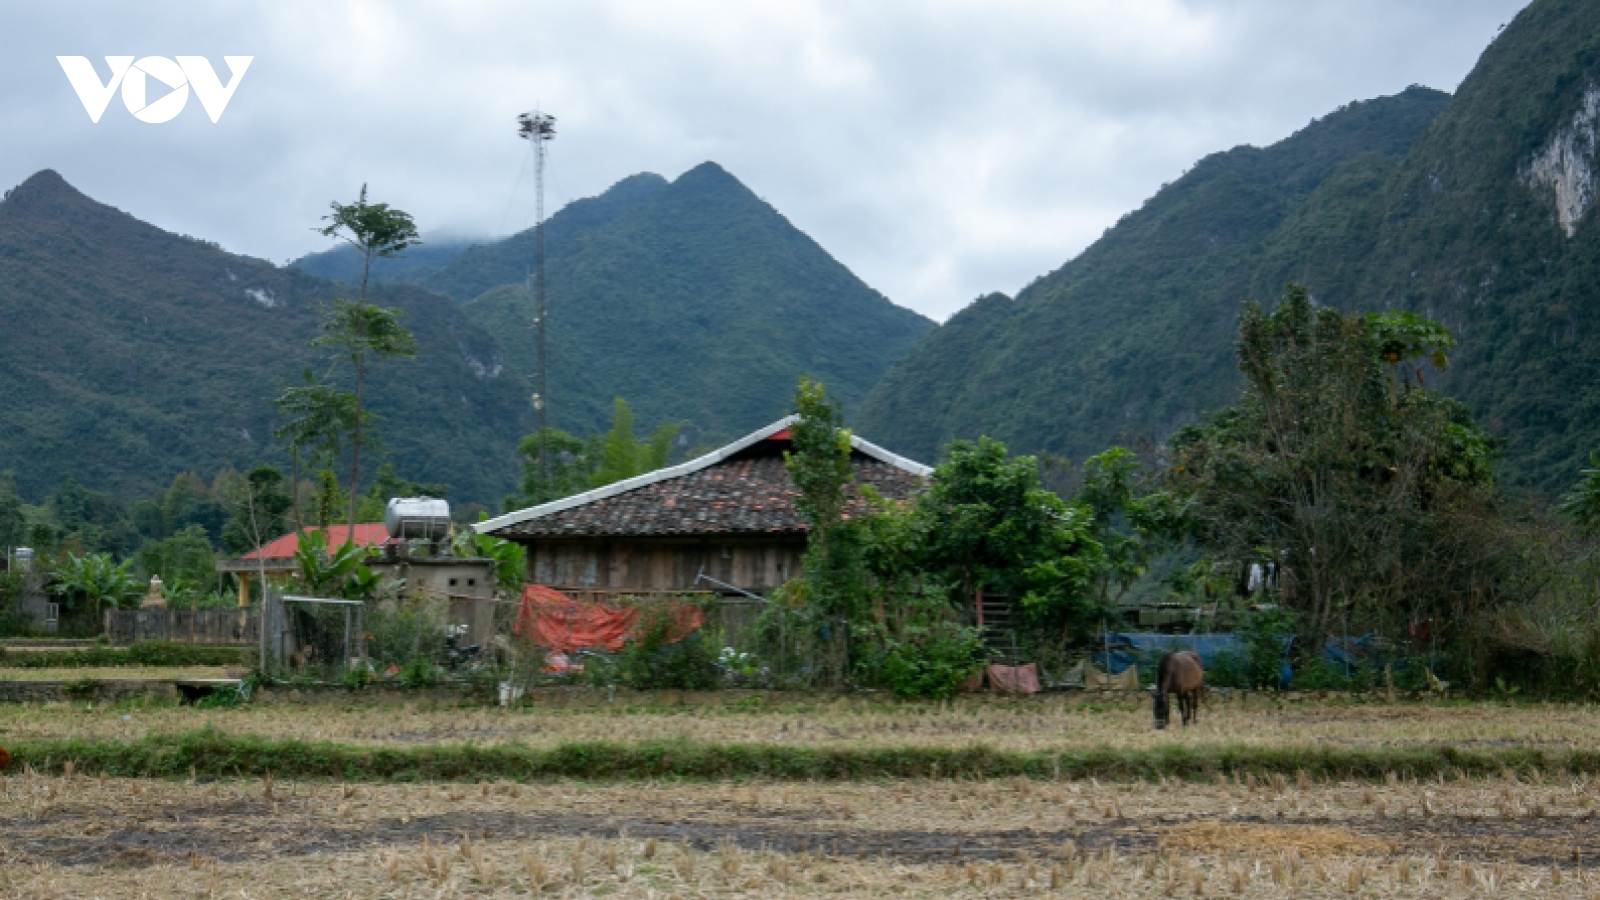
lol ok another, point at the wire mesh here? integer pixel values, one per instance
(315, 638)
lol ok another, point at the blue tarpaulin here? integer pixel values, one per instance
(1145, 650)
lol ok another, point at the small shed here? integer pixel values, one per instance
(723, 522)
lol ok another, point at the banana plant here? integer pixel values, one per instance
(95, 578)
(510, 563)
(328, 574)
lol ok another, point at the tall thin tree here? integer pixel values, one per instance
(361, 331)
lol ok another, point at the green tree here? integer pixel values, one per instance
(363, 332)
(1324, 465)
(319, 416)
(819, 463)
(1401, 339)
(387, 484)
(188, 501)
(185, 562)
(13, 519)
(94, 521)
(623, 456)
(375, 230)
(1107, 491)
(327, 499)
(1131, 521)
(987, 524)
(259, 506)
(573, 461)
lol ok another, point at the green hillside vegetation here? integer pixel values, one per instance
(1133, 336)
(491, 265)
(695, 300)
(1417, 202)
(343, 263)
(477, 266)
(1460, 232)
(132, 355)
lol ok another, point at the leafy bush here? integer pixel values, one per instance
(1266, 635)
(931, 661)
(420, 672)
(651, 661)
(402, 630)
(220, 698)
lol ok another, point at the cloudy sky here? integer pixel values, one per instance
(939, 148)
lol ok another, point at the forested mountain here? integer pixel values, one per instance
(1473, 210)
(475, 266)
(1134, 336)
(344, 262)
(1487, 226)
(129, 354)
(509, 261)
(694, 300)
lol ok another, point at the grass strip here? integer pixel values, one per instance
(214, 753)
(141, 654)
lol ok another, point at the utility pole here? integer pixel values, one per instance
(539, 128)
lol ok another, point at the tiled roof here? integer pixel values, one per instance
(740, 488)
(743, 495)
(367, 535)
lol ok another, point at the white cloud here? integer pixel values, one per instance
(940, 148)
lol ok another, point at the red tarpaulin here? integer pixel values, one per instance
(550, 619)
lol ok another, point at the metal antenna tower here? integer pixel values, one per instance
(539, 128)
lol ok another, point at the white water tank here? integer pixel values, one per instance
(425, 518)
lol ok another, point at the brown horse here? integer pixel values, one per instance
(1182, 675)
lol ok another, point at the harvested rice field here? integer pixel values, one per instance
(1040, 725)
(84, 836)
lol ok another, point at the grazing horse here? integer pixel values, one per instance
(1182, 675)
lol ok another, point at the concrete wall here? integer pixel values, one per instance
(467, 584)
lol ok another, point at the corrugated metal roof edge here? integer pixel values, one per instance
(688, 468)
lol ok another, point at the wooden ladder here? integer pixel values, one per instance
(999, 636)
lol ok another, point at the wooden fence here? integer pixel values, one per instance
(237, 627)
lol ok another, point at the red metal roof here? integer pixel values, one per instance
(373, 534)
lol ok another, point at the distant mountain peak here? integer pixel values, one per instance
(711, 178)
(43, 189)
(709, 170)
(160, 353)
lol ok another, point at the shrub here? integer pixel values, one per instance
(931, 661)
(420, 672)
(651, 661)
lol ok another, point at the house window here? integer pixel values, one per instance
(472, 582)
(452, 582)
